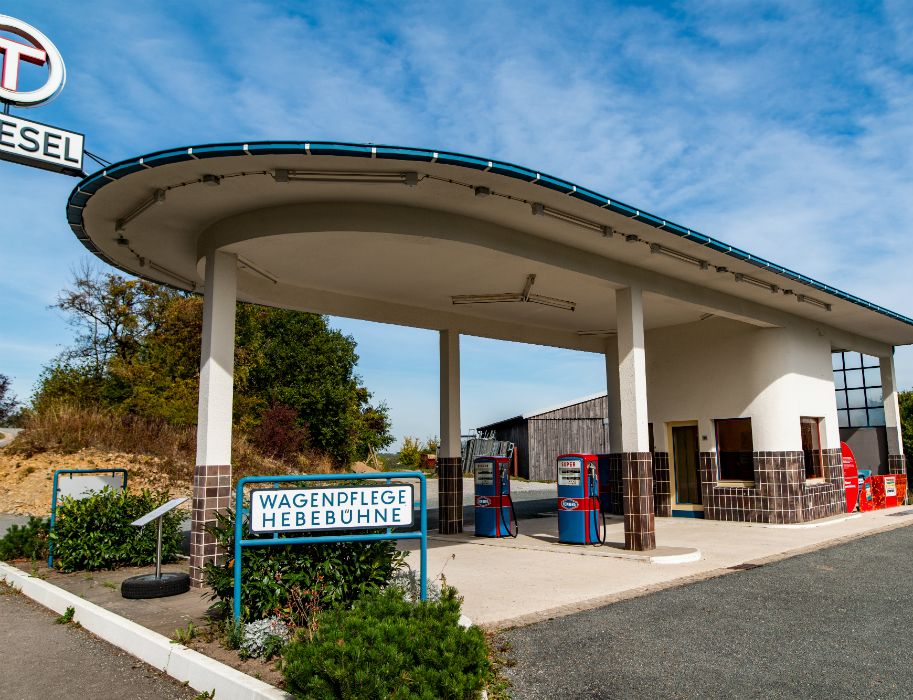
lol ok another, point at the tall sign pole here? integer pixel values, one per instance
(23, 141)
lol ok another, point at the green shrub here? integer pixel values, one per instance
(30, 541)
(95, 532)
(386, 647)
(293, 581)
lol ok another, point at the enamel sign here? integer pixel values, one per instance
(41, 146)
(359, 507)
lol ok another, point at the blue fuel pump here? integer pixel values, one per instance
(493, 505)
(578, 500)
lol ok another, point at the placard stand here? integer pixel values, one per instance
(157, 585)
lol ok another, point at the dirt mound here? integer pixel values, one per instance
(25, 483)
(362, 468)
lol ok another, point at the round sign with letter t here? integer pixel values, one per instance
(34, 48)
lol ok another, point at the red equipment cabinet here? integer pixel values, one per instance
(887, 492)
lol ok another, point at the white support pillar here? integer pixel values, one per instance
(212, 475)
(613, 402)
(450, 482)
(896, 461)
(450, 393)
(632, 371)
(636, 460)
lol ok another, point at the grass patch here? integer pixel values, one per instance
(67, 428)
(8, 590)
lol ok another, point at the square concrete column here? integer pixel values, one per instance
(637, 462)
(449, 464)
(896, 460)
(613, 398)
(212, 474)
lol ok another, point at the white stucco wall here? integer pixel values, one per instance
(720, 368)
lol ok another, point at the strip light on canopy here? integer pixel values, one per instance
(522, 297)
(739, 277)
(407, 178)
(121, 224)
(540, 209)
(682, 257)
(801, 298)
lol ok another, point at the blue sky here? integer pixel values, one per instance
(781, 127)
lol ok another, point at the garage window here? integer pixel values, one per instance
(811, 447)
(735, 449)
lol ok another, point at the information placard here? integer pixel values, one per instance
(357, 507)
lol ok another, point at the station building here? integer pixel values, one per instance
(728, 356)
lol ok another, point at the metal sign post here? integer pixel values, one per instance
(159, 585)
(79, 488)
(280, 510)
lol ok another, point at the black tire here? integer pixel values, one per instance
(148, 586)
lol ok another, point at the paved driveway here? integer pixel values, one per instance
(41, 659)
(7, 435)
(834, 623)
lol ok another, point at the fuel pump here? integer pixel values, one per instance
(493, 504)
(578, 500)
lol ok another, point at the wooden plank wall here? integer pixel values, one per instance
(594, 408)
(551, 437)
(541, 438)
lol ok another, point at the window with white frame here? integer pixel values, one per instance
(857, 381)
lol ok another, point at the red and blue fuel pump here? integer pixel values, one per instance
(494, 507)
(578, 500)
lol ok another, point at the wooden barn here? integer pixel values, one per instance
(576, 426)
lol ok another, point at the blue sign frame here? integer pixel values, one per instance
(57, 473)
(276, 540)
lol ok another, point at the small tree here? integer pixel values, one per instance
(410, 455)
(279, 434)
(8, 402)
(905, 399)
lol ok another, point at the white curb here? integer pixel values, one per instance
(813, 524)
(185, 665)
(683, 558)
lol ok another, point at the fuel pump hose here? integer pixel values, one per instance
(600, 535)
(513, 515)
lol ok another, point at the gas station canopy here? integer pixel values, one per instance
(436, 240)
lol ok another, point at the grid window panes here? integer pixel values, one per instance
(857, 380)
(734, 449)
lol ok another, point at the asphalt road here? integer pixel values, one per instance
(834, 623)
(41, 659)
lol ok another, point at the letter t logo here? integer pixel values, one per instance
(14, 52)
